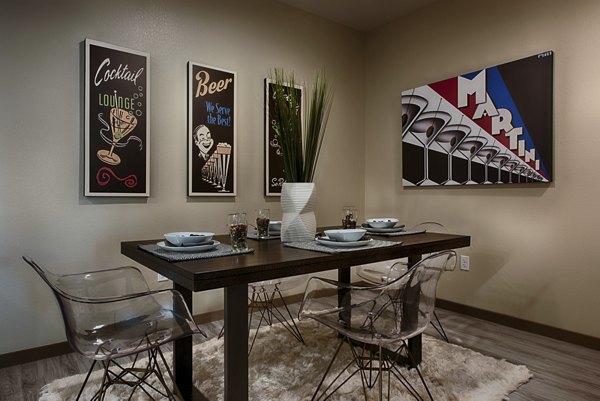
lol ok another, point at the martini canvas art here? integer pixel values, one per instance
(492, 126)
(116, 121)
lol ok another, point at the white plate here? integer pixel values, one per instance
(193, 248)
(385, 230)
(345, 244)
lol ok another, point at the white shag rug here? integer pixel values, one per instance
(283, 369)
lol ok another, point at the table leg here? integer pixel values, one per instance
(236, 343)
(182, 354)
(415, 343)
(344, 276)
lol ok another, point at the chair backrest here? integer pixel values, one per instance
(430, 227)
(409, 301)
(87, 302)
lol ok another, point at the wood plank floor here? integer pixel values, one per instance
(562, 371)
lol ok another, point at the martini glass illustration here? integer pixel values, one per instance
(424, 130)
(448, 140)
(486, 155)
(499, 161)
(469, 148)
(510, 166)
(412, 107)
(121, 124)
(519, 172)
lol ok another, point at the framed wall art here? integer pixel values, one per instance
(492, 126)
(211, 137)
(274, 174)
(117, 121)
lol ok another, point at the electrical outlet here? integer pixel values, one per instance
(464, 263)
(160, 277)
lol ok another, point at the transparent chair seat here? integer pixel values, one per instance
(381, 273)
(110, 314)
(376, 319)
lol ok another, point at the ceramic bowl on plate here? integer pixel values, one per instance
(275, 226)
(346, 235)
(382, 222)
(185, 238)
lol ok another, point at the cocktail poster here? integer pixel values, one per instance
(117, 121)
(490, 126)
(274, 174)
(211, 131)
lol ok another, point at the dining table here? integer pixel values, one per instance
(270, 259)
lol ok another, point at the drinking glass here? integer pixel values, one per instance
(263, 218)
(349, 217)
(238, 231)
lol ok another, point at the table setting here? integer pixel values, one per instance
(191, 245)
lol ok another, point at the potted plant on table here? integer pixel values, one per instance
(300, 150)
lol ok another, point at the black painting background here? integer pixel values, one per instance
(530, 83)
(133, 160)
(218, 133)
(275, 168)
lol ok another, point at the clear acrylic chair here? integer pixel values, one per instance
(376, 322)
(266, 299)
(383, 273)
(111, 314)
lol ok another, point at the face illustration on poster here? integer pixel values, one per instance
(211, 131)
(203, 141)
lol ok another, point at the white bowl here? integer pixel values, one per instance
(188, 237)
(275, 226)
(347, 235)
(382, 222)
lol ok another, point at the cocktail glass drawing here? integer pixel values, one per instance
(469, 148)
(510, 166)
(121, 124)
(424, 130)
(448, 141)
(486, 155)
(412, 106)
(499, 161)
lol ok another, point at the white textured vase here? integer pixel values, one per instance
(297, 205)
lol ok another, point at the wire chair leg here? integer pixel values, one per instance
(86, 380)
(439, 327)
(418, 370)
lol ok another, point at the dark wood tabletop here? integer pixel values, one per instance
(272, 259)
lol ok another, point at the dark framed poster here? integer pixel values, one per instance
(211, 134)
(492, 126)
(274, 169)
(117, 121)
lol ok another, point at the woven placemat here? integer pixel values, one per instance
(397, 234)
(220, 251)
(315, 246)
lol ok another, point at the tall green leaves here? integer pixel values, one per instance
(300, 152)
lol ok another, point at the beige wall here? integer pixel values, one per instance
(42, 211)
(534, 254)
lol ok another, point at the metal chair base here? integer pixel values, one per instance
(371, 365)
(264, 303)
(136, 378)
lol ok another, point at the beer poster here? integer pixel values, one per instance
(211, 131)
(117, 121)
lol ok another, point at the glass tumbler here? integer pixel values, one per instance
(349, 217)
(238, 231)
(263, 218)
